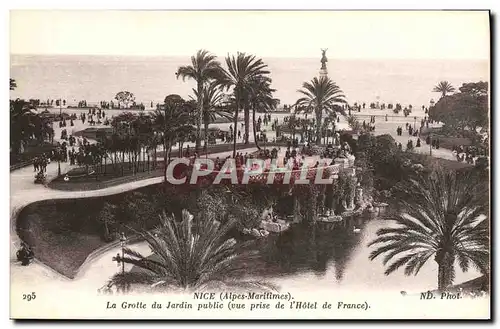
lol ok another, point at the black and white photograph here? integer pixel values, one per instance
(173, 164)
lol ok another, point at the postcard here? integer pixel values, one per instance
(249, 164)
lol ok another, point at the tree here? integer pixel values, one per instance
(440, 215)
(241, 71)
(443, 87)
(321, 95)
(213, 107)
(22, 126)
(169, 120)
(125, 98)
(187, 254)
(27, 125)
(260, 99)
(107, 216)
(467, 109)
(203, 69)
(13, 84)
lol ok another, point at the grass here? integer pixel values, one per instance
(62, 233)
(80, 181)
(445, 141)
(54, 237)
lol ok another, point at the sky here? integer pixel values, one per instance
(296, 34)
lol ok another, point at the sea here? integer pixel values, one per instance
(99, 78)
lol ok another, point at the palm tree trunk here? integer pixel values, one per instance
(247, 123)
(445, 269)
(255, 130)
(235, 130)
(200, 117)
(318, 127)
(165, 159)
(206, 123)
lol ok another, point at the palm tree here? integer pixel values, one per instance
(440, 215)
(443, 87)
(168, 121)
(213, 99)
(187, 254)
(261, 99)
(241, 71)
(203, 69)
(320, 95)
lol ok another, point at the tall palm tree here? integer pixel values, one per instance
(188, 255)
(204, 68)
(443, 87)
(320, 95)
(213, 107)
(261, 99)
(440, 215)
(168, 121)
(241, 71)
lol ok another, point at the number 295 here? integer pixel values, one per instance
(29, 297)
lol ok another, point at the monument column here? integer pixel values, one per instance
(323, 72)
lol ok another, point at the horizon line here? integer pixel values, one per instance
(284, 56)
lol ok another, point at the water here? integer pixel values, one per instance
(313, 259)
(96, 78)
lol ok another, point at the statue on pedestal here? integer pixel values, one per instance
(323, 59)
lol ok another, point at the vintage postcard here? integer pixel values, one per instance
(249, 164)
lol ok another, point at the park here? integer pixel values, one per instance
(92, 186)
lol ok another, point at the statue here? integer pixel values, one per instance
(324, 59)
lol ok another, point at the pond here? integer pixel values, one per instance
(312, 258)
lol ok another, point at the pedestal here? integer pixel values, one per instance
(323, 73)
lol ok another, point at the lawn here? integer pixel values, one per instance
(79, 180)
(62, 233)
(445, 141)
(57, 240)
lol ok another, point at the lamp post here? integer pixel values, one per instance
(123, 239)
(119, 259)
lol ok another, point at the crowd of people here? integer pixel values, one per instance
(40, 163)
(468, 154)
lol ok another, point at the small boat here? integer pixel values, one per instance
(356, 230)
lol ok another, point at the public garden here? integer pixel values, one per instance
(89, 188)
